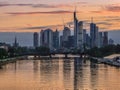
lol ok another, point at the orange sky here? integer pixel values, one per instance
(34, 15)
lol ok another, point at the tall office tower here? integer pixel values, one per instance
(75, 28)
(47, 38)
(35, 39)
(56, 39)
(100, 41)
(92, 34)
(42, 38)
(88, 41)
(71, 41)
(96, 37)
(61, 41)
(66, 33)
(84, 36)
(105, 39)
(111, 41)
(80, 36)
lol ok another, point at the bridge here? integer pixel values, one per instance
(66, 54)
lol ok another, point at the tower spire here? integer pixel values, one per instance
(91, 19)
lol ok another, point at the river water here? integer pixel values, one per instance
(59, 74)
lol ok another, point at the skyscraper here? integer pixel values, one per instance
(65, 37)
(78, 32)
(80, 35)
(47, 38)
(75, 28)
(56, 39)
(66, 33)
(111, 41)
(100, 42)
(105, 39)
(94, 34)
(35, 39)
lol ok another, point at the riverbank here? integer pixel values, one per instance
(109, 60)
(10, 60)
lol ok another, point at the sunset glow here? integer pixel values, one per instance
(34, 15)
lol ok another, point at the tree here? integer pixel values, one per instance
(43, 50)
(3, 53)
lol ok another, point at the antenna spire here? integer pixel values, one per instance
(91, 19)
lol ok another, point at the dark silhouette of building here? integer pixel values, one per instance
(94, 34)
(111, 41)
(35, 39)
(15, 44)
(56, 39)
(105, 39)
(71, 41)
(46, 38)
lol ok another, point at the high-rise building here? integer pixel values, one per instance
(100, 41)
(35, 39)
(78, 33)
(88, 41)
(94, 35)
(61, 41)
(66, 33)
(47, 38)
(105, 39)
(56, 39)
(80, 36)
(84, 36)
(65, 38)
(75, 28)
(71, 42)
(111, 41)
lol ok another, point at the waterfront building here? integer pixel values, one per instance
(105, 39)
(88, 41)
(111, 41)
(78, 33)
(71, 42)
(80, 36)
(35, 39)
(94, 35)
(56, 39)
(47, 38)
(66, 33)
(75, 28)
(100, 42)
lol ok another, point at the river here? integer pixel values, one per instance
(59, 74)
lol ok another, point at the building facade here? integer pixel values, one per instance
(35, 39)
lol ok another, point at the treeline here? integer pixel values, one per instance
(104, 51)
(20, 51)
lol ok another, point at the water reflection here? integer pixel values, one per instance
(59, 74)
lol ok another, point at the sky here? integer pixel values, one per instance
(34, 15)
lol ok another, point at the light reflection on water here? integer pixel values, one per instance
(61, 74)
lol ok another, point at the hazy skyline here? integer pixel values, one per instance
(33, 15)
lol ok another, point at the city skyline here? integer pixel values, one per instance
(31, 16)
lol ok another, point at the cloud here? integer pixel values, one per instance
(104, 23)
(96, 12)
(49, 12)
(113, 8)
(39, 27)
(37, 5)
